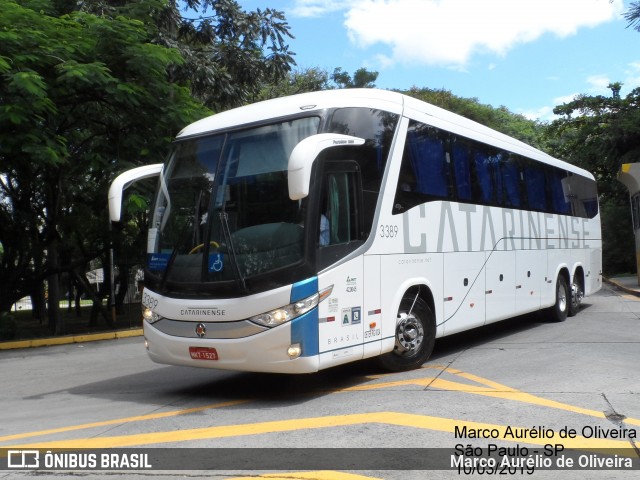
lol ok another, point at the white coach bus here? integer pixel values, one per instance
(314, 230)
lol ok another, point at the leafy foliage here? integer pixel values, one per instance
(632, 15)
(82, 97)
(90, 89)
(599, 134)
(228, 54)
(298, 81)
(362, 78)
(500, 119)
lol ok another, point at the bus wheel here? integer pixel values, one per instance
(415, 336)
(577, 294)
(560, 310)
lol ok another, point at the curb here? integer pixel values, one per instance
(91, 337)
(620, 286)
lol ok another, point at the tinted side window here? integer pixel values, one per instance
(582, 194)
(483, 163)
(510, 180)
(462, 169)
(377, 128)
(559, 201)
(338, 217)
(535, 186)
(426, 168)
(437, 165)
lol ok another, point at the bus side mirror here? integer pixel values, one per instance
(123, 181)
(305, 153)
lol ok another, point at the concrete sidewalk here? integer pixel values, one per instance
(628, 284)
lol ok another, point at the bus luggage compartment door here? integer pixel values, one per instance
(464, 290)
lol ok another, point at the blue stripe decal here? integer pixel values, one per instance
(305, 331)
(305, 328)
(304, 289)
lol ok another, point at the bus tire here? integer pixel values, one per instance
(415, 336)
(560, 310)
(577, 294)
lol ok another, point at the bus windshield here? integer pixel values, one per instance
(223, 213)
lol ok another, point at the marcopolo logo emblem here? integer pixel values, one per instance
(201, 330)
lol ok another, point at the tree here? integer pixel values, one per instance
(299, 81)
(500, 119)
(316, 79)
(91, 88)
(82, 98)
(601, 133)
(632, 15)
(362, 78)
(229, 54)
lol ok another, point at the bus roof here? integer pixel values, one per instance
(370, 98)
(296, 104)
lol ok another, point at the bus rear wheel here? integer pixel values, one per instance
(415, 336)
(577, 294)
(560, 310)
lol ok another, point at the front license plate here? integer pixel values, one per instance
(203, 353)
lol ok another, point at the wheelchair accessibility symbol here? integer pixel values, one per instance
(216, 263)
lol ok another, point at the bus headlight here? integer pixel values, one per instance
(287, 313)
(150, 316)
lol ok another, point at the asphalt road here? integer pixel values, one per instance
(530, 383)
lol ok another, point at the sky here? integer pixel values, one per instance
(525, 55)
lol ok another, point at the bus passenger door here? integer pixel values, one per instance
(340, 234)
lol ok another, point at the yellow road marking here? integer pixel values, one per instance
(138, 418)
(489, 389)
(423, 422)
(486, 387)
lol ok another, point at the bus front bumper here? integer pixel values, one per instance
(264, 352)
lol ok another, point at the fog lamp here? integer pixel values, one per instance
(294, 351)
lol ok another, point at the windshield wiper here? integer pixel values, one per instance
(224, 221)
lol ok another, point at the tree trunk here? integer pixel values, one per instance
(38, 302)
(56, 321)
(96, 298)
(53, 192)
